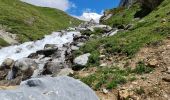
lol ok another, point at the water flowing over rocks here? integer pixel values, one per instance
(52, 56)
(48, 88)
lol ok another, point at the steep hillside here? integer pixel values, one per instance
(133, 54)
(30, 22)
(137, 32)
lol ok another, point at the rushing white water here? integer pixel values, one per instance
(23, 50)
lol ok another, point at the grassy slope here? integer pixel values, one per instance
(30, 22)
(121, 15)
(148, 30)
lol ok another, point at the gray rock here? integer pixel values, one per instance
(105, 91)
(129, 26)
(7, 63)
(106, 17)
(102, 56)
(48, 88)
(80, 44)
(111, 33)
(103, 65)
(26, 66)
(65, 72)
(104, 27)
(50, 46)
(82, 60)
(126, 3)
(71, 29)
(47, 52)
(54, 66)
(74, 48)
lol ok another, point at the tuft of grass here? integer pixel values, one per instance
(106, 77)
(132, 78)
(142, 69)
(94, 59)
(3, 42)
(140, 91)
(111, 77)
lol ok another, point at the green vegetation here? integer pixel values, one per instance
(141, 68)
(31, 22)
(121, 16)
(106, 77)
(139, 91)
(147, 30)
(94, 59)
(3, 43)
(111, 77)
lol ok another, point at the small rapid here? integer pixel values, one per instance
(16, 52)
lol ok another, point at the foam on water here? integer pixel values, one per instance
(23, 50)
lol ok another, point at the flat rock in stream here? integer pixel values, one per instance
(48, 88)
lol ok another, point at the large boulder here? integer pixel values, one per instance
(53, 67)
(82, 59)
(47, 52)
(48, 88)
(26, 66)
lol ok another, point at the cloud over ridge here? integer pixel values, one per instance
(59, 4)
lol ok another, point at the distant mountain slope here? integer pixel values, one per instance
(31, 22)
(138, 28)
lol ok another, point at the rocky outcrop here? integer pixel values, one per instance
(47, 88)
(8, 37)
(126, 3)
(150, 4)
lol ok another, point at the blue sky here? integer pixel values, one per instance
(81, 9)
(94, 5)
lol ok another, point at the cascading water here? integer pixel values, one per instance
(23, 50)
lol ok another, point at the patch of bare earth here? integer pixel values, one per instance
(155, 85)
(8, 87)
(151, 86)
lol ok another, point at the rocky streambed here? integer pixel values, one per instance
(42, 66)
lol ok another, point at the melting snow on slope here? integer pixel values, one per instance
(20, 51)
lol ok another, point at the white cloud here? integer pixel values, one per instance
(88, 15)
(59, 4)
